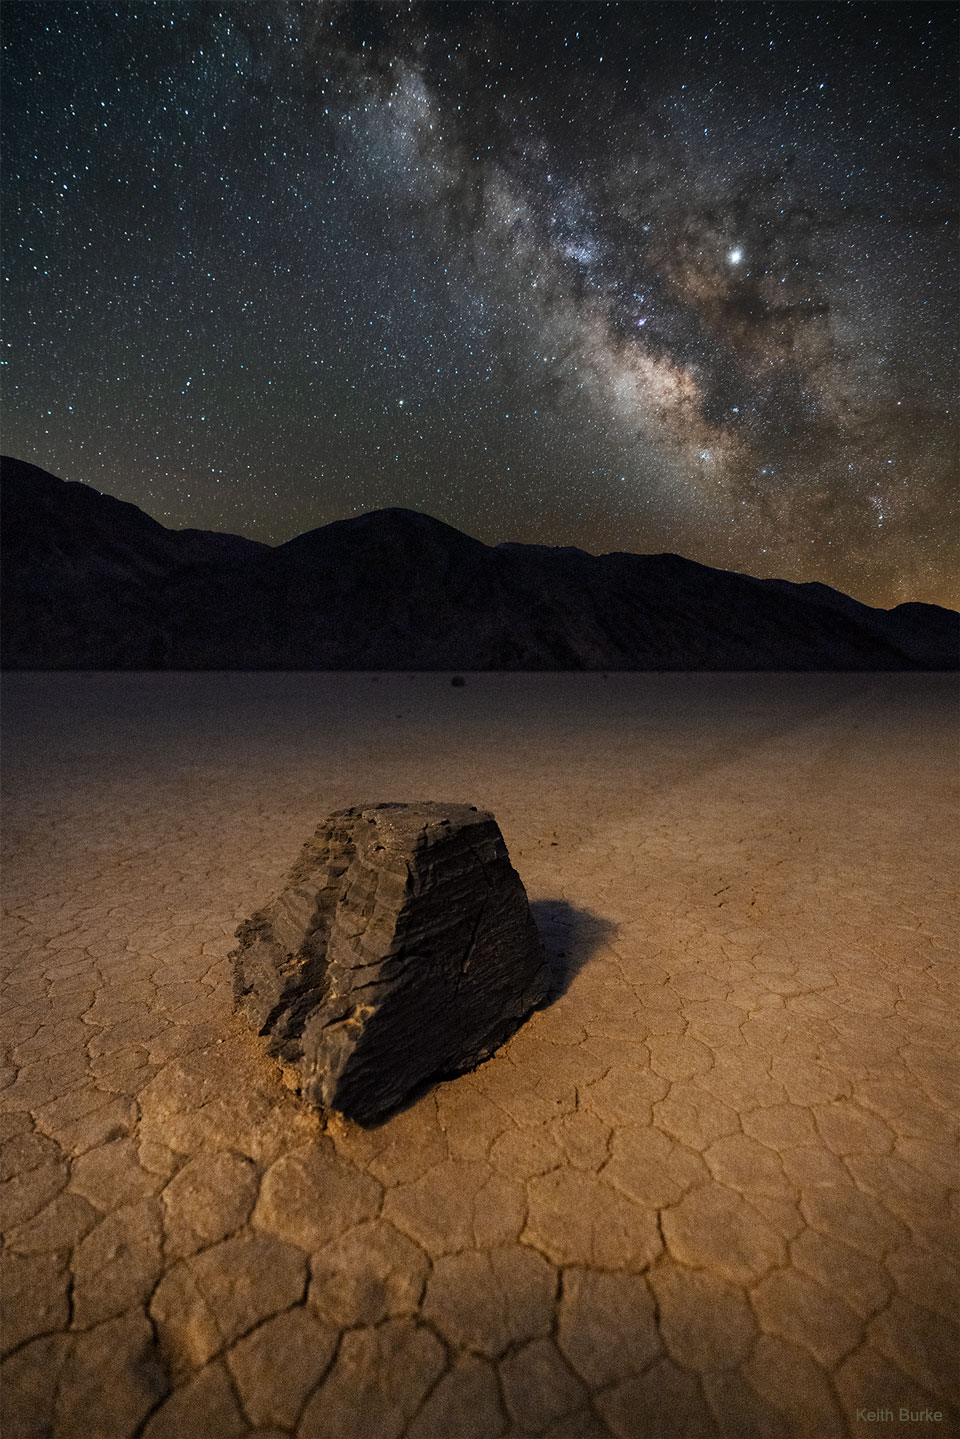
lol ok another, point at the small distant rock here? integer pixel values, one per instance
(458, 682)
(402, 948)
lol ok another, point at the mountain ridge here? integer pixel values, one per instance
(92, 582)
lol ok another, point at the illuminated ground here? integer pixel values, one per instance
(711, 1189)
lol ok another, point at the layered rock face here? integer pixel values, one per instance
(401, 948)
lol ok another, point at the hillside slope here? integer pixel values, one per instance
(91, 582)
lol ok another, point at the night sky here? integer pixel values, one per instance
(643, 277)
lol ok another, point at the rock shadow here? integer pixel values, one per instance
(571, 937)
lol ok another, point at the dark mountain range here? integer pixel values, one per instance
(90, 582)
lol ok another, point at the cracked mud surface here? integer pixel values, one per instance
(711, 1189)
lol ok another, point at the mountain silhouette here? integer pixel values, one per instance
(90, 582)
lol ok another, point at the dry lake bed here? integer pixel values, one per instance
(711, 1189)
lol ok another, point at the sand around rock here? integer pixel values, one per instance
(709, 1188)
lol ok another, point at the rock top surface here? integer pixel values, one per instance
(401, 948)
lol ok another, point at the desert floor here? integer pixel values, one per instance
(712, 1188)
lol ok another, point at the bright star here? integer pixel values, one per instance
(735, 256)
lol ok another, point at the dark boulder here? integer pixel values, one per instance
(401, 949)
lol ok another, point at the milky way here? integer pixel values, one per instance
(645, 277)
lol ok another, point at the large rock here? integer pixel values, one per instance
(401, 949)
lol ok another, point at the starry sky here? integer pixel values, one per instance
(633, 276)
